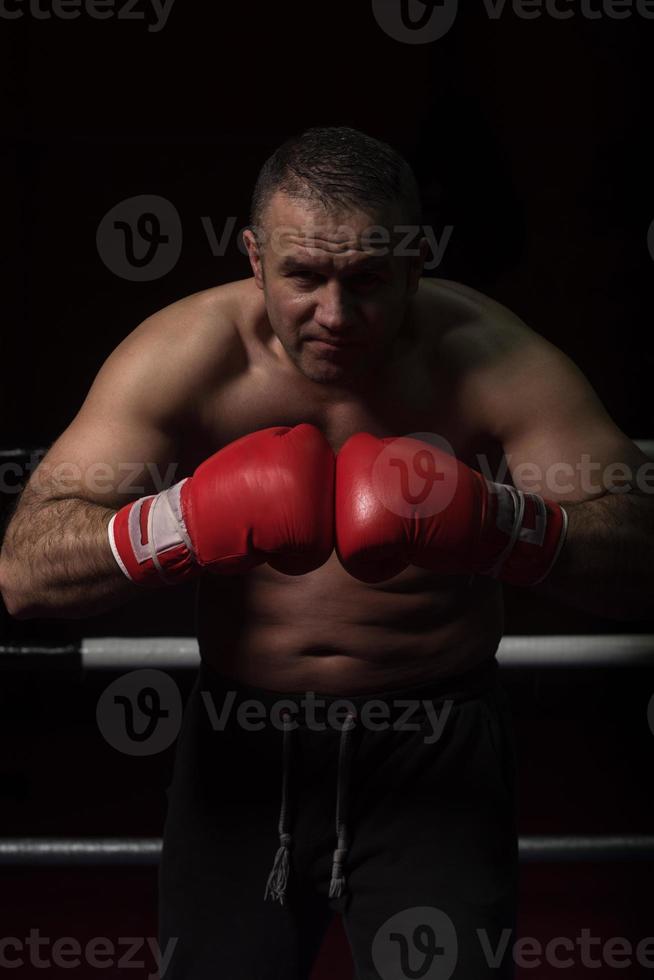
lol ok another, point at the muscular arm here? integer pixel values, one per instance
(606, 565)
(560, 442)
(56, 561)
(124, 442)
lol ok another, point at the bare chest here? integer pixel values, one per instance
(412, 399)
(326, 630)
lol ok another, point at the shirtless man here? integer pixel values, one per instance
(340, 336)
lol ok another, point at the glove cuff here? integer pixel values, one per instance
(522, 535)
(150, 541)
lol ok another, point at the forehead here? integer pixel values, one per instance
(306, 230)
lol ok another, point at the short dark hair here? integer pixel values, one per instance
(336, 166)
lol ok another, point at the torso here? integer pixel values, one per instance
(326, 631)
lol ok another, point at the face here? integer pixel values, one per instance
(336, 290)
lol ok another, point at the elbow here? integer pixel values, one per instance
(16, 601)
(16, 608)
(20, 612)
(19, 607)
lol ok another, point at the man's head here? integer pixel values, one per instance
(335, 245)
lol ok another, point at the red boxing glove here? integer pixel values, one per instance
(265, 497)
(401, 502)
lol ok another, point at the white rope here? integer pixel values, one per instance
(182, 652)
(616, 650)
(42, 851)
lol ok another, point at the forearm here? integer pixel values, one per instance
(606, 566)
(56, 561)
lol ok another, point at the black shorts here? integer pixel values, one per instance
(395, 809)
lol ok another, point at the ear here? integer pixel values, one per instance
(254, 255)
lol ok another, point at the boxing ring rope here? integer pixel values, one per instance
(43, 852)
(180, 653)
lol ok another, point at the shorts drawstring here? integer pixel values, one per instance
(337, 883)
(278, 877)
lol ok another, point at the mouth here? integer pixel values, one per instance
(331, 345)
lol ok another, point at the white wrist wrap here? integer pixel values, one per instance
(154, 543)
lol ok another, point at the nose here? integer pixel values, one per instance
(333, 311)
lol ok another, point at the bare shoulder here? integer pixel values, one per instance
(179, 351)
(492, 344)
(475, 333)
(197, 327)
(147, 396)
(520, 384)
(496, 362)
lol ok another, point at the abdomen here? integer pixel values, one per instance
(327, 632)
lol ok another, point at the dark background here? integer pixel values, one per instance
(532, 139)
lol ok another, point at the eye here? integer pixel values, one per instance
(304, 276)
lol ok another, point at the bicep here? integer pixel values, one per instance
(121, 444)
(558, 439)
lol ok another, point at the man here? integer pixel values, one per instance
(335, 558)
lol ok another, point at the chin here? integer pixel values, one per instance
(324, 371)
